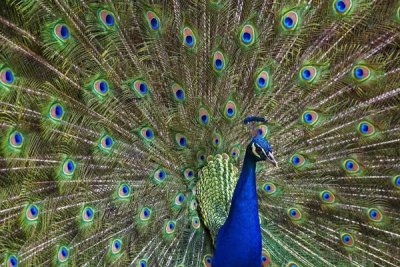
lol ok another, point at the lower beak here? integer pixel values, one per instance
(271, 158)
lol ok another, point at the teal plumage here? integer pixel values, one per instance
(116, 116)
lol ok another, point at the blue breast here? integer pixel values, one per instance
(239, 239)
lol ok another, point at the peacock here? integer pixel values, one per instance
(199, 133)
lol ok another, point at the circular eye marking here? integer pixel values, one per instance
(365, 128)
(294, 214)
(181, 141)
(153, 20)
(189, 40)
(375, 215)
(263, 80)
(6, 77)
(124, 191)
(207, 260)
(12, 261)
(342, 7)
(116, 246)
(32, 212)
(107, 18)
(218, 61)
(347, 239)
(87, 214)
(203, 116)
(308, 74)
(297, 160)
(327, 196)
(196, 222)
(361, 73)
(61, 32)
(290, 21)
(310, 117)
(350, 166)
(170, 227)
(63, 254)
(269, 188)
(145, 214)
(247, 35)
(16, 140)
(178, 92)
(230, 110)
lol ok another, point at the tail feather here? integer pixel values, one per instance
(110, 110)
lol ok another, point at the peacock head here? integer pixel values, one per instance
(259, 146)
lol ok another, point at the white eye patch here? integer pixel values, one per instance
(253, 148)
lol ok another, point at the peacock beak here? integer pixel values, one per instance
(271, 158)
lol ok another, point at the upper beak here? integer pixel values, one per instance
(271, 158)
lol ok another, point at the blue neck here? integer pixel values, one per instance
(239, 239)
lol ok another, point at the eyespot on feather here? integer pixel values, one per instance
(308, 74)
(116, 246)
(327, 197)
(347, 239)
(16, 140)
(350, 166)
(61, 32)
(56, 112)
(124, 191)
(170, 227)
(396, 181)
(263, 80)
(375, 215)
(106, 18)
(269, 188)
(235, 152)
(145, 214)
(310, 117)
(6, 77)
(203, 116)
(142, 263)
(294, 214)
(140, 88)
(188, 173)
(219, 63)
(160, 175)
(179, 199)
(342, 7)
(63, 254)
(106, 143)
(87, 214)
(100, 87)
(32, 212)
(297, 160)
(365, 128)
(68, 167)
(216, 140)
(230, 110)
(178, 92)
(189, 39)
(207, 260)
(196, 222)
(153, 20)
(181, 140)
(290, 20)
(361, 73)
(247, 35)
(12, 261)
(265, 259)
